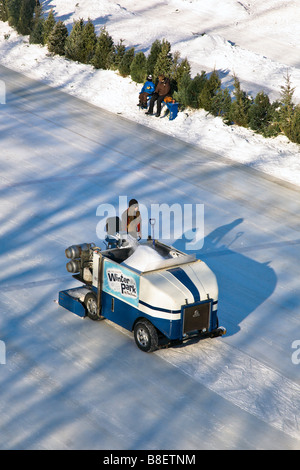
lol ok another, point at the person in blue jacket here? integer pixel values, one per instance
(147, 90)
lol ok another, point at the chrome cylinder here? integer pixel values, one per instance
(73, 266)
(75, 251)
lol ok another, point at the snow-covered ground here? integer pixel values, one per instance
(69, 383)
(257, 41)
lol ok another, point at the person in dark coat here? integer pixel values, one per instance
(161, 91)
(147, 90)
(131, 220)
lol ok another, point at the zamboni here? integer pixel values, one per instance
(157, 292)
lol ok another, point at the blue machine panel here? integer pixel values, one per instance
(73, 304)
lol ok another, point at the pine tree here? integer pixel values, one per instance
(221, 104)
(209, 91)
(195, 88)
(13, 12)
(240, 106)
(104, 51)
(81, 43)
(179, 68)
(295, 134)
(153, 55)
(117, 55)
(163, 64)
(273, 129)
(89, 42)
(3, 11)
(25, 22)
(287, 107)
(260, 113)
(287, 92)
(138, 68)
(74, 48)
(124, 68)
(48, 26)
(182, 94)
(37, 32)
(57, 38)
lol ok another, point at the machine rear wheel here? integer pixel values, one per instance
(145, 335)
(90, 302)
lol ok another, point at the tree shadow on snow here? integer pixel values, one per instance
(244, 284)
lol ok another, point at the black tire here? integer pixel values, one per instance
(90, 302)
(145, 335)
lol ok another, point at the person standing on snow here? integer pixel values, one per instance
(147, 90)
(161, 91)
(131, 220)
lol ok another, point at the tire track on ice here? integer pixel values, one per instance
(51, 411)
(244, 381)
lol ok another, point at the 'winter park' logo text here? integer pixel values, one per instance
(2, 92)
(118, 282)
(170, 222)
(2, 353)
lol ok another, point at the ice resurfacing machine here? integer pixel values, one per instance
(161, 294)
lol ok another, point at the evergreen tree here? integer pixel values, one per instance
(209, 91)
(287, 107)
(175, 64)
(48, 26)
(179, 68)
(57, 38)
(13, 12)
(182, 94)
(189, 89)
(89, 42)
(274, 127)
(3, 11)
(240, 106)
(221, 104)
(195, 88)
(163, 63)
(104, 51)
(118, 54)
(25, 22)
(295, 134)
(138, 68)
(74, 48)
(37, 32)
(260, 113)
(81, 43)
(124, 68)
(153, 55)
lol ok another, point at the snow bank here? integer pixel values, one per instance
(240, 38)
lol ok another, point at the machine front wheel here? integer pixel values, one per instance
(145, 335)
(90, 302)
